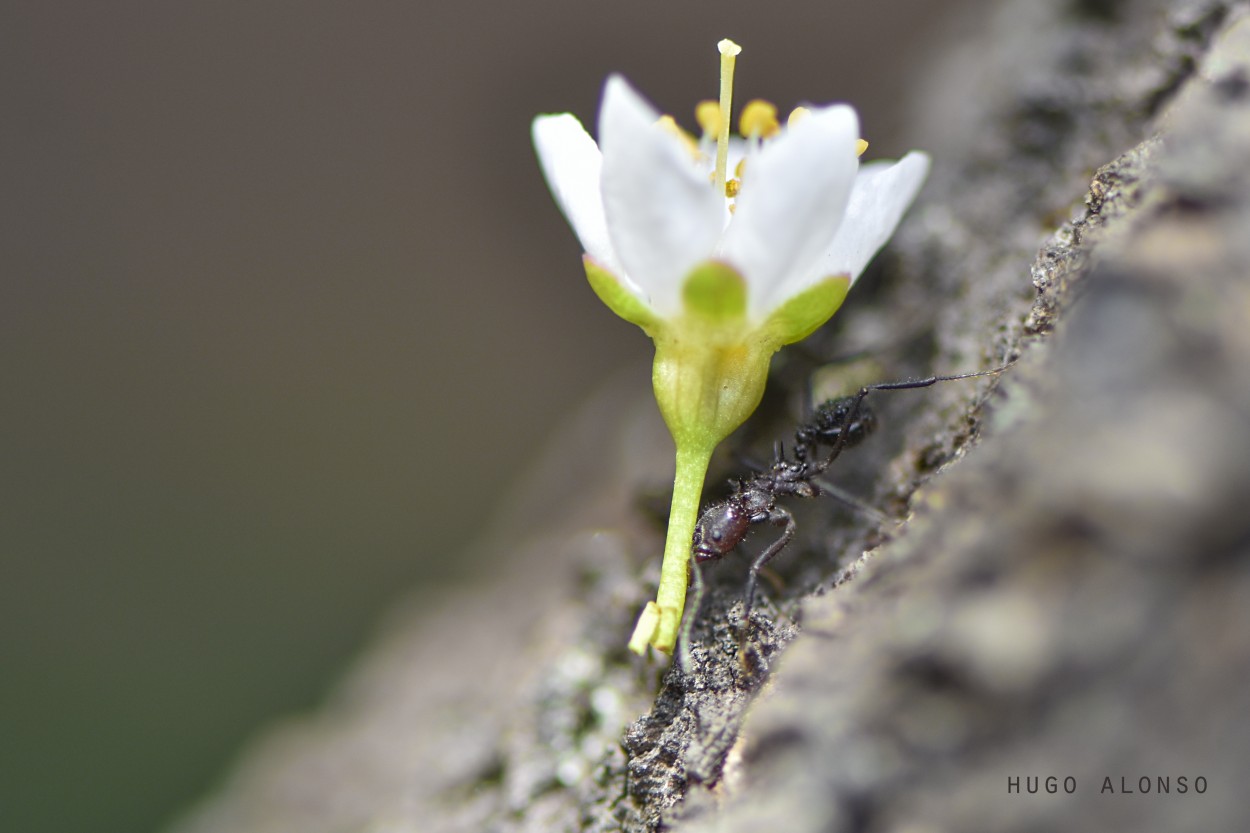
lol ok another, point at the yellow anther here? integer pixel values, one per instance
(707, 114)
(732, 187)
(669, 125)
(860, 147)
(740, 167)
(759, 120)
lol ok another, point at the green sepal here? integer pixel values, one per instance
(714, 291)
(618, 298)
(706, 389)
(803, 314)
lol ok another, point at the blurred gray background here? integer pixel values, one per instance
(285, 306)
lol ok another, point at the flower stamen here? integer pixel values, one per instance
(707, 115)
(733, 186)
(758, 120)
(728, 58)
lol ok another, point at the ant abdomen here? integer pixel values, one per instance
(720, 528)
(832, 419)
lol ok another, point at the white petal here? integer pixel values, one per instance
(663, 216)
(794, 192)
(571, 161)
(882, 192)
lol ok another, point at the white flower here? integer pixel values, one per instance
(644, 208)
(719, 272)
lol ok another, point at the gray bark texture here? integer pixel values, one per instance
(1064, 590)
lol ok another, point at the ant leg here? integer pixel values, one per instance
(849, 500)
(692, 611)
(845, 433)
(777, 516)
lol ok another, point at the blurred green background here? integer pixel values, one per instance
(285, 305)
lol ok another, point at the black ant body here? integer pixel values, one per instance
(837, 424)
(846, 414)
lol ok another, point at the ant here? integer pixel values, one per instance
(838, 424)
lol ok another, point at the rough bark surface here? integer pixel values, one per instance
(1066, 592)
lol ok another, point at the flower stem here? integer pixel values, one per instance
(661, 620)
